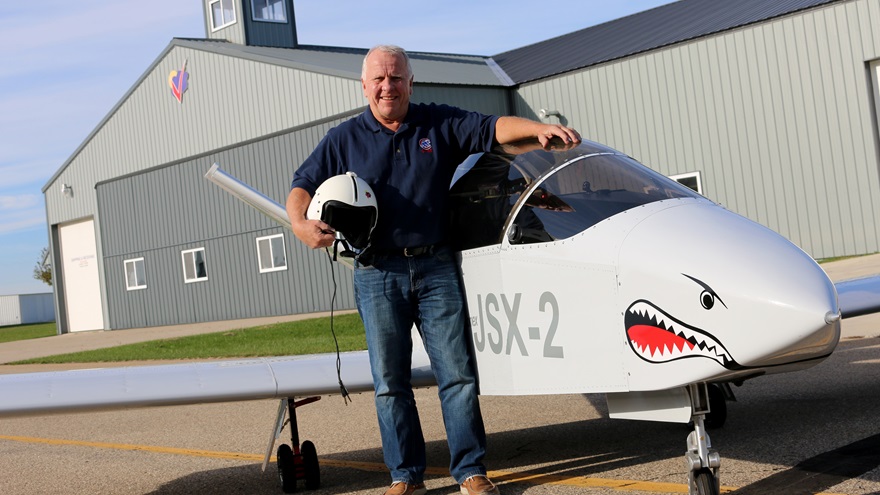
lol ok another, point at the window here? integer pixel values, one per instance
(194, 267)
(270, 253)
(222, 13)
(268, 10)
(691, 180)
(135, 278)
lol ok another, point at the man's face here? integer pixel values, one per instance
(388, 86)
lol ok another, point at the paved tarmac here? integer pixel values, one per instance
(813, 431)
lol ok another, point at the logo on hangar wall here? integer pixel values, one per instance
(179, 81)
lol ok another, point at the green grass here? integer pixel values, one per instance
(25, 332)
(840, 258)
(282, 339)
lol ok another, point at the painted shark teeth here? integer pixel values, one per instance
(657, 337)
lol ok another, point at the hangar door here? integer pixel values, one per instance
(82, 286)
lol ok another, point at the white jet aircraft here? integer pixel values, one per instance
(584, 272)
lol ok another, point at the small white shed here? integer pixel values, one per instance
(22, 309)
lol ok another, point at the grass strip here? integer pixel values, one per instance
(310, 336)
(26, 332)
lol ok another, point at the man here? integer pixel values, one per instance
(407, 154)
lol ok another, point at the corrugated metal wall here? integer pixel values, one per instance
(37, 308)
(22, 309)
(490, 101)
(10, 310)
(159, 213)
(777, 117)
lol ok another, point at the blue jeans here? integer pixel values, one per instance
(393, 294)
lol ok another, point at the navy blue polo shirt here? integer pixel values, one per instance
(409, 170)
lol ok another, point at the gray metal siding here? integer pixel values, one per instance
(777, 117)
(661, 26)
(23, 309)
(491, 101)
(10, 310)
(37, 308)
(160, 213)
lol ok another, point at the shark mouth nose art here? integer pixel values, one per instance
(657, 337)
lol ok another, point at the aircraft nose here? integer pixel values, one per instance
(745, 289)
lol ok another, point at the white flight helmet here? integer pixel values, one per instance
(346, 203)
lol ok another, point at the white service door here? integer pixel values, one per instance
(82, 286)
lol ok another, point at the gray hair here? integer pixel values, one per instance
(393, 50)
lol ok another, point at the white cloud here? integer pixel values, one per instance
(91, 20)
(20, 202)
(32, 220)
(30, 175)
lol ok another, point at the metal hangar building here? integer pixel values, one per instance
(768, 107)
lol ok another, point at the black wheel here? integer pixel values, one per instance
(286, 468)
(718, 405)
(706, 482)
(310, 465)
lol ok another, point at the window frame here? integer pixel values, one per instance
(226, 23)
(268, 239)
(128, 285)
(695, 175)
(194, 266)
(276, 21)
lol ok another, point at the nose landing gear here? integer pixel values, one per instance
(702, 463)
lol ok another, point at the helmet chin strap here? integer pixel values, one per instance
(346, 249)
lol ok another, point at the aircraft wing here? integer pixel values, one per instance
(191, 383)
(859, 296)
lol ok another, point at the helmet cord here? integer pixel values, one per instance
(342, 390)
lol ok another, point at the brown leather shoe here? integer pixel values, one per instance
(478, 485)
(403, 488)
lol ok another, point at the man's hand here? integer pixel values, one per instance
(511, 129)
(313, 233)
(570, 137)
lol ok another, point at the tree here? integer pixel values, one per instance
(43, 268)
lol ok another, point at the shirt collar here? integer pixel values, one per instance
(413, 116)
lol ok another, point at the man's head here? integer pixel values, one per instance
(387, 80)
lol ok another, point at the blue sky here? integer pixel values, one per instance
(64, 65)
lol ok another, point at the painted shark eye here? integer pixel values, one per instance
(707, 299)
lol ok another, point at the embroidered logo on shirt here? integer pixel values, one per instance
(425, 145)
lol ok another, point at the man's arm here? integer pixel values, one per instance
(511, 129)
(313, 233)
